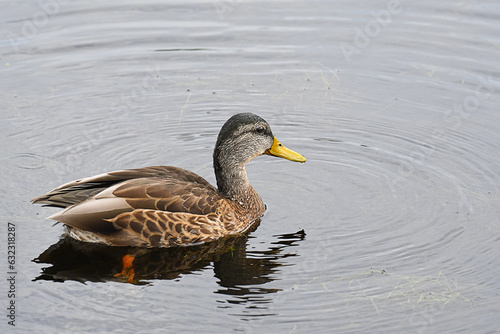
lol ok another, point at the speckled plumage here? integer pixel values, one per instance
(164, 206)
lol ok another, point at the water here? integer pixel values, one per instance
(391, 225)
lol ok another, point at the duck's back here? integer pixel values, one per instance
(80, 190)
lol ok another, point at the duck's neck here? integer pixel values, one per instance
(232, 182)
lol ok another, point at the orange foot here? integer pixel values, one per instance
(128, 269)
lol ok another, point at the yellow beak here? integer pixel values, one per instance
(278, 150)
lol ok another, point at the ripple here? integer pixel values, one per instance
(393, 189)
(26, 160)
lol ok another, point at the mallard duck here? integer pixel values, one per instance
(165, 206)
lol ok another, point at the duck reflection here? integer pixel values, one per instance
(234, 265)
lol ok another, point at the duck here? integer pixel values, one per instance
(166, 206)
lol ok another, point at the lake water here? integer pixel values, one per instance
(392, 225)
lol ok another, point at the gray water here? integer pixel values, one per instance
(392, 225)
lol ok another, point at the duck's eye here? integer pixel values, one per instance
(260, 129)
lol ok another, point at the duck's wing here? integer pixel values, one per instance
(187, 193)
(80, 190)
(168, 195)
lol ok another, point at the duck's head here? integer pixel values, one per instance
(246, 136)
(242, 138)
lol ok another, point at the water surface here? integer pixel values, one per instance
(392, 225)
